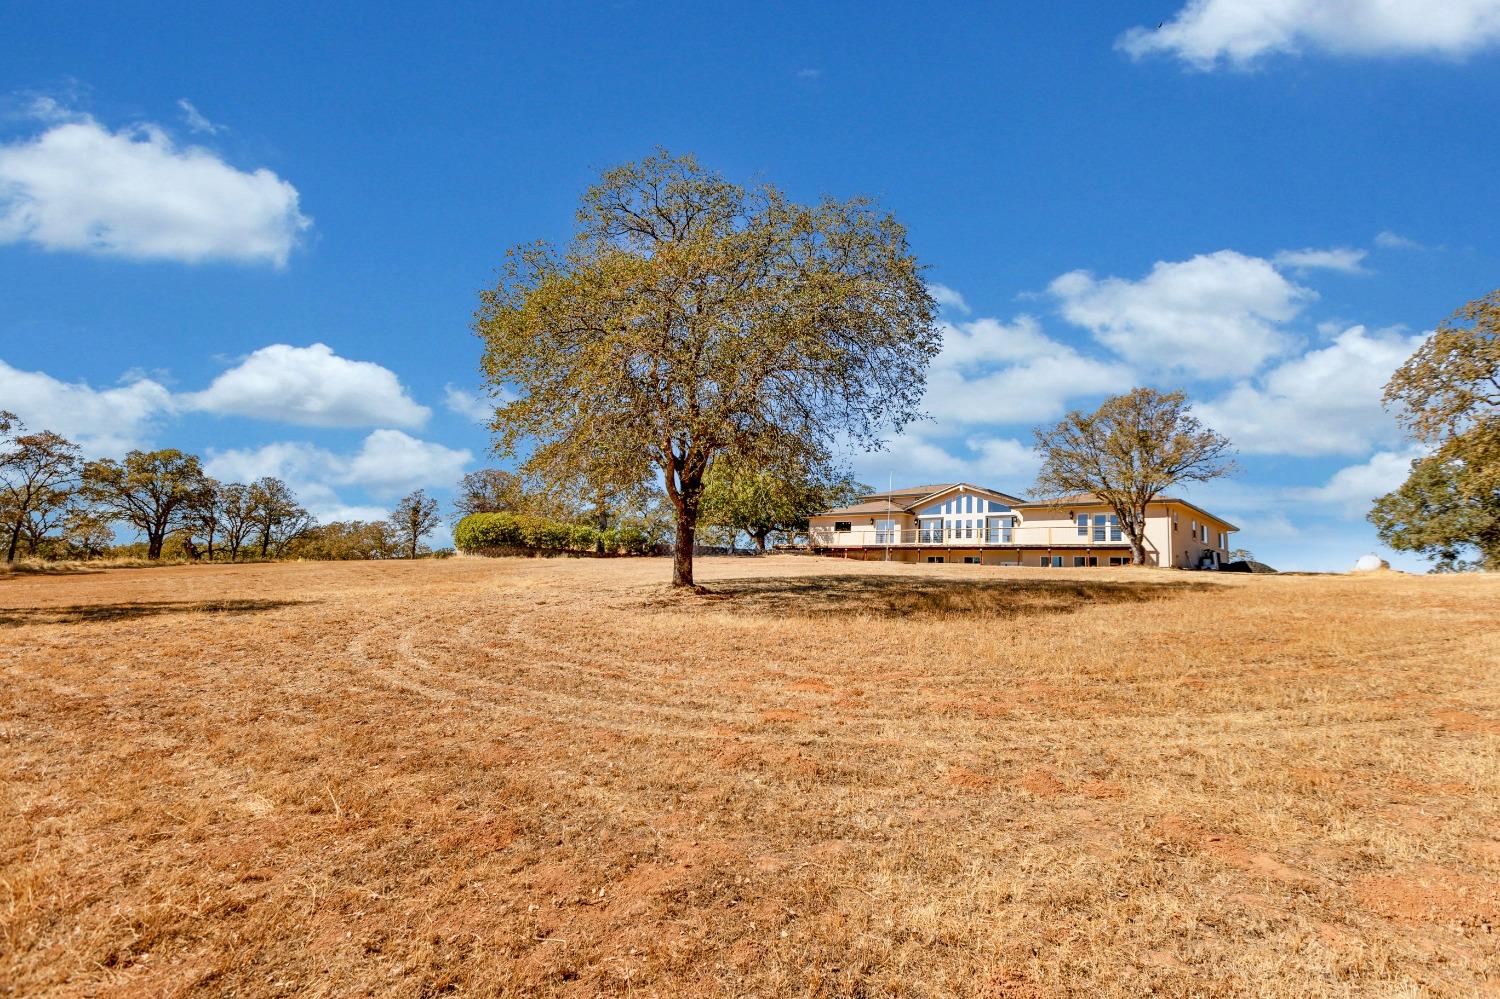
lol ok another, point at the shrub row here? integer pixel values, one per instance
(479, 531)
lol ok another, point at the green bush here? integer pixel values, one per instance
(490, 530)
(478, 531)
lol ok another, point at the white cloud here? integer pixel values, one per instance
(1216, 315)
(1002, 463)
(311, 386)
(474, 406)
(105, 422)
(135, 193)
(387, 464)
(994, 372)
(948, 298)
(392, 462)
(195, 119)
(1209, 33)
(1354, 487)
(1339, 258)
(1326, 401)
(1387, 240)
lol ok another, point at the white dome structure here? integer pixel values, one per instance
(1371, 563)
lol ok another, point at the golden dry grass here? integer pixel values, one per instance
(553, 777)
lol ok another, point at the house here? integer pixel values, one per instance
(961, 522)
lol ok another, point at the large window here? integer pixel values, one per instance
(1083, 525)
(934, 558)
(1114, 527)
(1100, 520)
(843, 526)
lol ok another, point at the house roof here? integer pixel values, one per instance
(908, 499)
(867, 506)
(1091, 499)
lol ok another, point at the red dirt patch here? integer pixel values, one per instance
(785, 715)
(1102, 789)
(968, 779)
(1431, 895)
(812, 686)
(1227, 849)
(1466, 721)
(1042, 782)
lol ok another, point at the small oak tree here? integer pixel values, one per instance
(1443, 511)
(38, 474)
(762, 501)
(1127, 453)
(414, 518)
(153, 491)
(693, 319)
(275, 514)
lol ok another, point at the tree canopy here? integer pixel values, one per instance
(415, 517)
(1448, 396)
(693, 318)
(154, 491)
(1128, 452)
(760, 501)
(1443, 511)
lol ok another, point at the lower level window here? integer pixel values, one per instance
(1080, 561)
(971, 560)
(1052, 561)
(934, 558)
(1117, 560)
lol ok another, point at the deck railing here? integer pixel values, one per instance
(959, 536)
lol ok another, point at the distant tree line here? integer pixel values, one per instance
(56, 505)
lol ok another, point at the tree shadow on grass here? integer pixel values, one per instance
(15, 617)
(926, 598)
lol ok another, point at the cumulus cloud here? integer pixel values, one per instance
(1323, 402)
(1216, 315)
(387, 464)
(1206, 34)
(137, 194)
(311, 386)
(991, 372)
(105, 422)
(1339, 258)
(1354, 488)
(948, 298)
(1002, 463)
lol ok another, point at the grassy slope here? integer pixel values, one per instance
(829, 779)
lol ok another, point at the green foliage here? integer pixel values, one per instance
(1448, 509)
(693, 318)
(1452, 383)
(153, 491)
(759, 501)
(1128, 452)
(480, 531)
(38, 475)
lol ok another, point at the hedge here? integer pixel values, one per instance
(480, 531)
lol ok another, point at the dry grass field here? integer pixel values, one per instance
(552, 777)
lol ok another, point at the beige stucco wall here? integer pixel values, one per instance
(1055, 530)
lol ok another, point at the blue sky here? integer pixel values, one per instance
(259, 236)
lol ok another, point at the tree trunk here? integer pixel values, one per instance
(760, 541)
(682, 551)
(154, 539)
(15, 539)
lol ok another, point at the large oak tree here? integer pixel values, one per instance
(1448, 396)
(1128, 452)
(693, 319)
